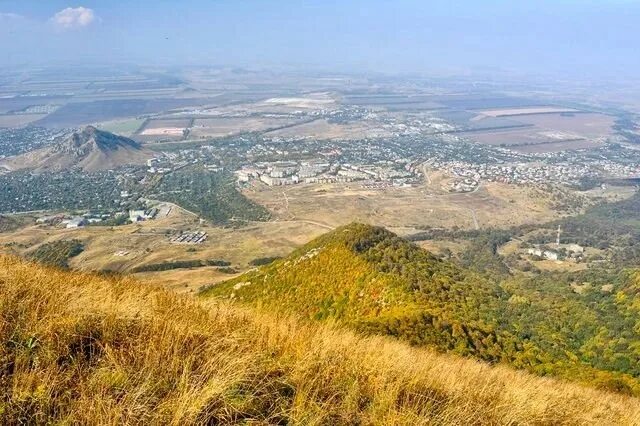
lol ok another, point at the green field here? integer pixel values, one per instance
(122, 127)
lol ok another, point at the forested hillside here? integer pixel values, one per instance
(213, 196)
(377, 283)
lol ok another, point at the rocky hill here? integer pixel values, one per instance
(372, 281)
(90, 149)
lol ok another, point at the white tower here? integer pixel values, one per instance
(558, 237)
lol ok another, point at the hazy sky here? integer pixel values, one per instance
(593, 37)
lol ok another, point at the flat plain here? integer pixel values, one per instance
(525, 111)
(18, 120)
(550, 132)
(588, 125)
(323, 129)
(225, 126)
(125, 127)
(404, 210)
(173, 128)
(301, 213)
(123, 248)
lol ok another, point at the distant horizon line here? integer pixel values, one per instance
(469, 72)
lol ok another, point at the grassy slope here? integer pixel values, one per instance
(375, 282)
(83, 349)
(326, 279)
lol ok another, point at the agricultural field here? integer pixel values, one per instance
(469, 120)
(309, 102)
(81, 113)
(485, 102)
(122, 127)
(530, 140)
(549, 132)
(161, 123)
(526, 111)
(588, 125)
(298, 105)
(165, 127)
(392, 101)
(225, 126)
(323, 129)
(553, 146)
(18, 120)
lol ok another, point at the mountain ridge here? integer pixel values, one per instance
(375, 282)
(89, 149)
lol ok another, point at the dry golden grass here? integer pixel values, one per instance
(82, 349)
(146, 243)
(495, 205)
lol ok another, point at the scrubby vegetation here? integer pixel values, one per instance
(614, 227)
(210, 195)
(11, 223)
(377, 283)
(117, 220)
(84, 349)
(57, 253)
(261, 261)
(179, 264)
(611, 227)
